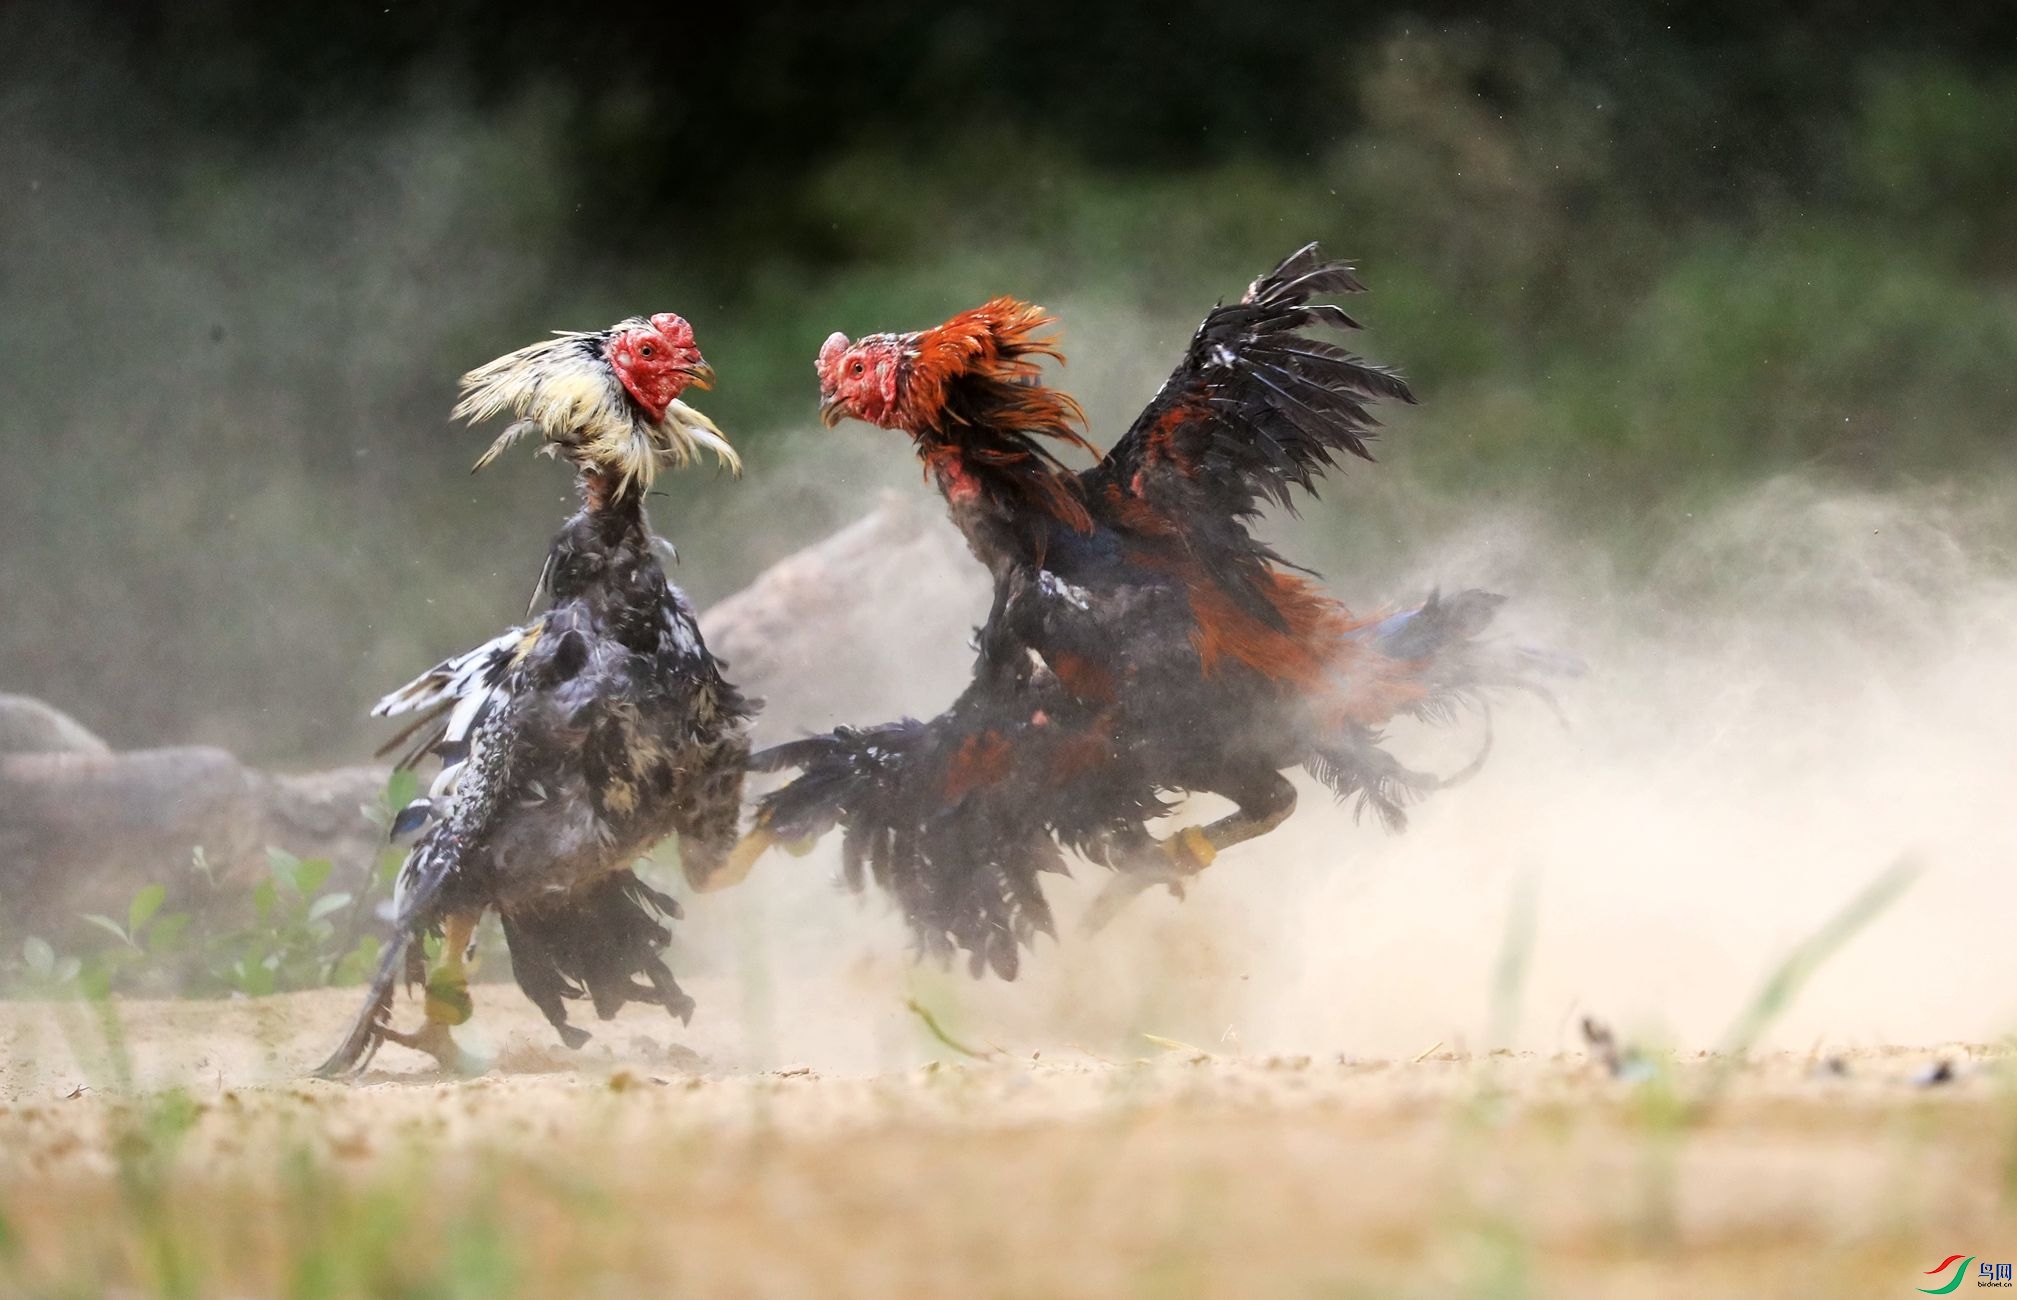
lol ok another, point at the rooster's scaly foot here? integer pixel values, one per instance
(1171, 862)
(741, 859)
(434, 1038)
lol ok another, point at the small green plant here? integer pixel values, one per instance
(1516, 957)
(346, 1239)
(143, 949)
(1797, 967)
(145, 1149)
(355, 951)
(10, 1240)
(343, 1240)
(43, 971)
(295, 927)
(287, 944)
(1667, 1113)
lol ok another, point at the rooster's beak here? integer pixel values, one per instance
(831, 410)
(700, 375)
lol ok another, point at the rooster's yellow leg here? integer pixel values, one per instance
(734, 868)
(448, 1001)
(1191, 849)
(1262, 806)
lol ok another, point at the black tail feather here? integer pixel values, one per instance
(962, 857)
(1442, 645)
(358, 1045)
(1353, 763)
(595, 942)
(422, 880)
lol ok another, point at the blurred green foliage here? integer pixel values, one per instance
(324, 1234)
(1630, 261)
(296, 927)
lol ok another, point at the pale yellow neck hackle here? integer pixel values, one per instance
(563, 390)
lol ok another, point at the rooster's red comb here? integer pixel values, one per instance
(673, 328)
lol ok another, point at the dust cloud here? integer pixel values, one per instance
(1785, 695)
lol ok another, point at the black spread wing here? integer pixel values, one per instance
(1257, 407)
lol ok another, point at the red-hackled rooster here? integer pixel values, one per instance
(573, 744)
(1142, 643)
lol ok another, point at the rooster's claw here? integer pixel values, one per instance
(1171, 862)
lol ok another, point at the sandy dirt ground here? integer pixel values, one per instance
(655, 1163)
(1285, 1085)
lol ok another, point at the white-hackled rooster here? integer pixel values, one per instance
(573, 744)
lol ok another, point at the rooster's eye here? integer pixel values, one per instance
(855, 369)
(646, 350)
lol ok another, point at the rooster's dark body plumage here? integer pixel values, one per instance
(1142, 643)
(569, 747)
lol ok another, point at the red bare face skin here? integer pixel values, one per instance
(862, 380)
(656, 362)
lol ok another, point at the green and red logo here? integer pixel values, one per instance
(1989, 1275)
